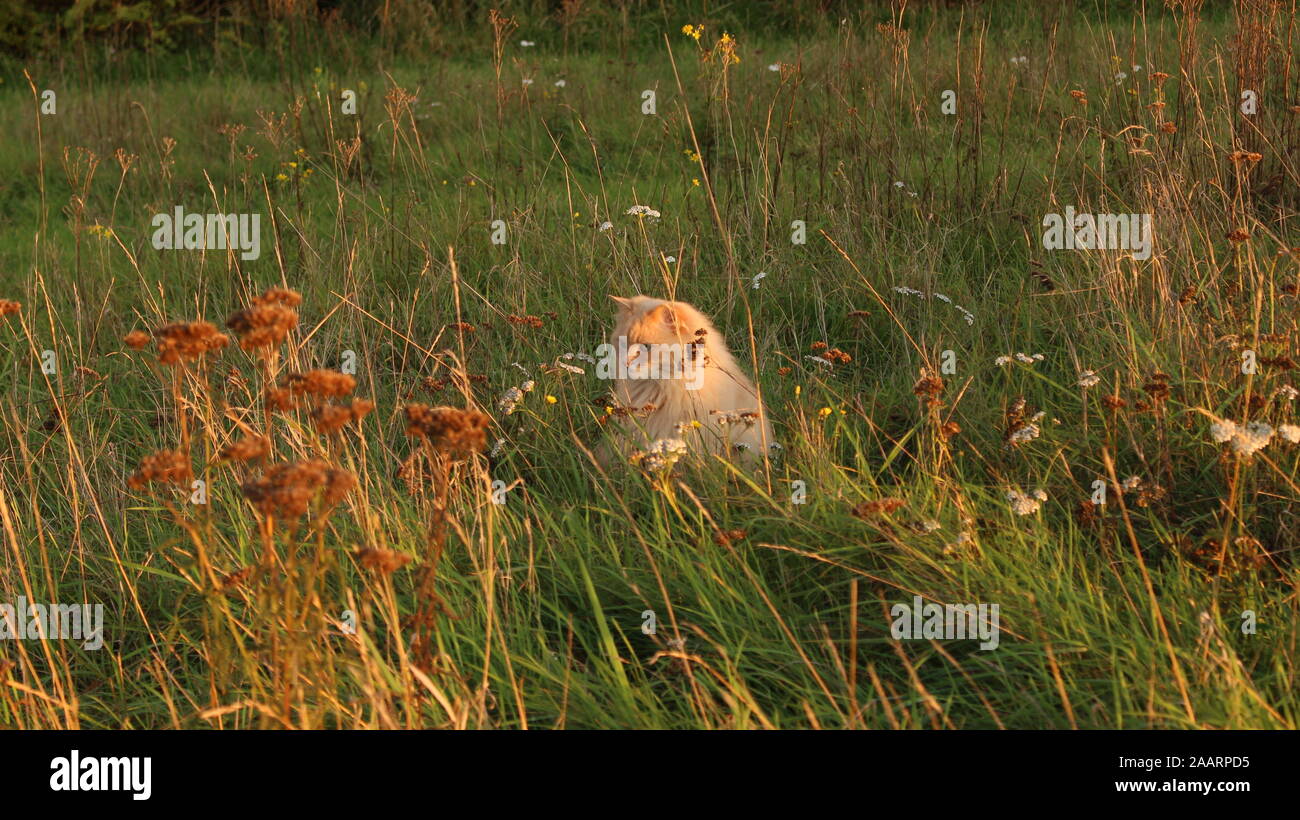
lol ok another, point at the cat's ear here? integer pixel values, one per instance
(669, 315)
(626, 303)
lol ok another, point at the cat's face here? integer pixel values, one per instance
(646, 320)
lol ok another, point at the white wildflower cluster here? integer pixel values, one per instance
(1023, 358)
(643, 210)
(733, 417)
(660, 455)
(496, 448)
(513, 396)
(902, 186)
(606, 225)
(965, 314)
(1022, 504)
(1019, 60)
(931, 525)
(687, 427)
(1027, 432)
(526, 44)
(1244, 439)
(1286, 392)
(1089, 379)
(563, 365)
(1290, 432)
(1131, 483)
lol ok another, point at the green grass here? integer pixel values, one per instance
(1130, 619)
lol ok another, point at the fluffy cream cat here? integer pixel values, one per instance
(670, 357)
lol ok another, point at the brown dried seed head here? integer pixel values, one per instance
(136, 339)
(322, 383)
(187, 341)
(162, 467)
(8, 307)
(236, 578)
(280, 398)
(448, 429)
(279, 296)
(331, 418)
(247, 448)
(286, 490)
(881, 506)
(338, 483)
(725, 537)
(383, 561)
(267, 322)
(928, 385)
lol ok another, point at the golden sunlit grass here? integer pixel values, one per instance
(369, 499)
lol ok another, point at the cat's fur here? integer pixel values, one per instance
(724, 387)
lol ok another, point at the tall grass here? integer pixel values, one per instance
(408, 598)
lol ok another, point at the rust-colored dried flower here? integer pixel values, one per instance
(1080, 97)
(320, 383)
(783, 371)
(1113, 402)
(279, 296)
(383, 561)
(1168, 127)
(281, 398)
(725, 538)
(331, 418)
(137, 339)
(188, 341)
(525, 321)
(1159, 77)
(1239, 235)
(816, 346)
(464, 327)
(1157, 388)
(338, 483)
(8, 307)
(881, 506)
(163, 467)
(949, 429)
(247, 448)
(286, 490)
(448, 429)
(928, 386)
(1239, 157)
(236, 578)
(267, 321)
(837, 356)
(1188, 296)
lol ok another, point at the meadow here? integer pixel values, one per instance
(1103, 445)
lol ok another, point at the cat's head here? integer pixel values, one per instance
(646, 320)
